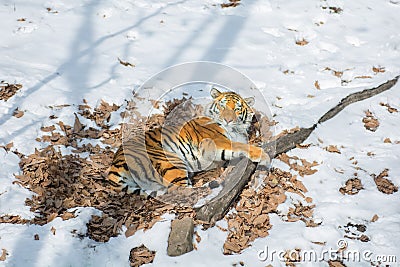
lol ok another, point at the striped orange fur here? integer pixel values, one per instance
(166, 156)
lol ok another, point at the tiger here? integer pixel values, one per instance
(166, 157)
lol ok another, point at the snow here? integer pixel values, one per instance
(70, 52)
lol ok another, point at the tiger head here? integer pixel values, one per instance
(230, 110)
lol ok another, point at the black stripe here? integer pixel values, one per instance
(223, 155)
(115, 173)
(178, 179)
(182, 144)
(139, 165)
(168, 137)
(150, 136)
(164, 171)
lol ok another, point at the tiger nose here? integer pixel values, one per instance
(228, 120)
(228, 115)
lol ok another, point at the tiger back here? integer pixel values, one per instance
(167, 156)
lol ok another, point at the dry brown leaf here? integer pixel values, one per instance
(18, 113)
(67, 215)
(332, 149)
(231, 247)
(251, 219)
(51, 216)
(378, 69)
(260, 220)
(155, 103)
(387, 140)
(303, 146)
(77, 125)
(308, 199)
(232, 3)
(374, 218)
(126, 63)
(316, 84)
(3, 255)
(8, 146)
(363, 77)
(48, 128)
(287, 71)
(198, 238)
(338, 74)
(53, 230)
(302, 42)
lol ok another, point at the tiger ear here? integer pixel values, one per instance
(250, 101)
(215, 93)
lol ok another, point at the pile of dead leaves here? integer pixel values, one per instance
(8, 90)
(100, 115)
(141, 255)
(14, 219)
(251, 219)
(261, 131)
(305, 168)
(63, 182)
(383, 184)
(370, 122)
(355, 231)
(352, 187)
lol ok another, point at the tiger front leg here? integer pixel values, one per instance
(225, 149)
(254, 153)
(257, 154)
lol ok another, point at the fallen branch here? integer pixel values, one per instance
(289, 141)
(233, 185)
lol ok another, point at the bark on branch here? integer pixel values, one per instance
(234, 183)
(289, 141)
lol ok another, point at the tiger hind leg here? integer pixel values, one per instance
(122, 180)
(172, 170)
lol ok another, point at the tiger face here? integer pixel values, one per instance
(231, 111)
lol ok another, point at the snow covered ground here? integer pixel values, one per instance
(66, 51)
